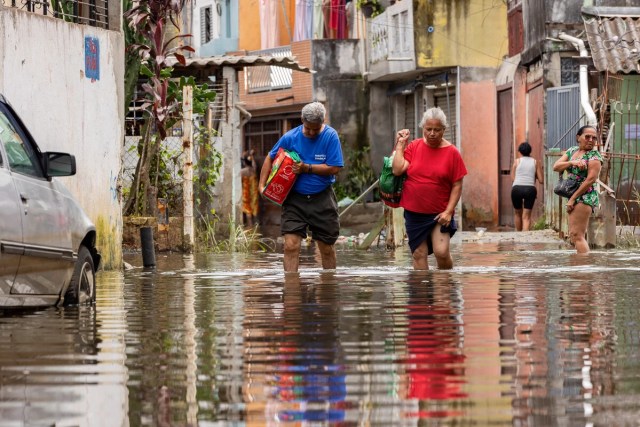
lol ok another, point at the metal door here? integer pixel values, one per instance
(505, 156)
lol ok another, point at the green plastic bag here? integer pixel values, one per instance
(390, 186)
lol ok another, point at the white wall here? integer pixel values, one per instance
(42, 63)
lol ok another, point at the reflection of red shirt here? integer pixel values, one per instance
(430, 177)
(432, 343)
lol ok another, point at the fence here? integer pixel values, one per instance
(172, 145)
(622, 145)
(90, 12)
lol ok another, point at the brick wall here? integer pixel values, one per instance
(291, 100)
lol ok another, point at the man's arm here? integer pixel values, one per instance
(264, 172)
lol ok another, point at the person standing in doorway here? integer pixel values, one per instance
(311, 204)
(249, 188)
(525, 171)
(432, 189)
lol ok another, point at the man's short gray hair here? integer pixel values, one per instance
(313, 112)
(435, 113)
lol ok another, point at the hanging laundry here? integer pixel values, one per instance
(269, 24)
(309, 21)
(318, 19)
(338, 20)
(300, 30)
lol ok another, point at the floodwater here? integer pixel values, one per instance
(515, 335)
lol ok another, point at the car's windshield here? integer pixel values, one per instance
(20, 155)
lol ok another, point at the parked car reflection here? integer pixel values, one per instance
(47, 242)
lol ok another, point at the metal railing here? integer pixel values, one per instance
(269, 77)
(89, 12)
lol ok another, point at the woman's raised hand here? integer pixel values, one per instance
(402, 137)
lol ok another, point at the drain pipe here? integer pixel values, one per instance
(584, 84)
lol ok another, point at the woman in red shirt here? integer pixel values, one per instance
(432, 189)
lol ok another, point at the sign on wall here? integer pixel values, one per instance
(92, 58)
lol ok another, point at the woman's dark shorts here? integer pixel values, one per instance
(317, 211)
(528, 193)
(419, 227)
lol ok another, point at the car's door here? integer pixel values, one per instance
(47, 257)
(10, 226)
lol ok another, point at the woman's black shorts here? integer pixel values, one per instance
(526, 193)
(318, 212)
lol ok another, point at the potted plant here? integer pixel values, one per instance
(370, 8)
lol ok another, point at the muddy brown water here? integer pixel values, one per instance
(525, 334)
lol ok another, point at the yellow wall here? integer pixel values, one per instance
(249, 21)
(465, 32)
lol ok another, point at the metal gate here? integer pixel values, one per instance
(563, 116)
(622, 146)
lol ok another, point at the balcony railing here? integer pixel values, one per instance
(89, 12)
(268, 78)
(391, 33)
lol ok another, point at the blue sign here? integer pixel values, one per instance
(92, 58)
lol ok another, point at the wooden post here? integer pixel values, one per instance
(398, 227)
(188, 234)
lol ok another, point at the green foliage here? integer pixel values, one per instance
(207, 169)
(359, 175)
(540, 224)
(373, 4)
(240, 239)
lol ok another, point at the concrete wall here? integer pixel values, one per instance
(380, 125)
(42, 74)
(338, 83)
(460, 33)
(479, 149)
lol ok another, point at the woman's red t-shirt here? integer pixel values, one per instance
(430, 177)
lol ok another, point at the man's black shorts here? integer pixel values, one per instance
(318, 212)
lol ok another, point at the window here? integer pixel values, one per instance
(20, 154)
(206, 24)
(569, 72)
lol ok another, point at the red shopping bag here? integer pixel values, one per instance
(281, 178)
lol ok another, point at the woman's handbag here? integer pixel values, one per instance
(390, 186)
(566, 187)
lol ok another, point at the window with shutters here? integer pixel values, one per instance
(206, 24)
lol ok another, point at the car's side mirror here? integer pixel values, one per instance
(59, 164)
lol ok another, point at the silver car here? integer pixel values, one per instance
(47, 242)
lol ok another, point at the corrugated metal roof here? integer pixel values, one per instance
(214, 62)
(614, 42)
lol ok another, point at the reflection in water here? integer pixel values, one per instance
(514, 335)
(65, 366)
(434, 364)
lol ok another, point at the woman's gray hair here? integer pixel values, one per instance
(313, 113)
(434, 113)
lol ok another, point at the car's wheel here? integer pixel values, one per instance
(82, 288)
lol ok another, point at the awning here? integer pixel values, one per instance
(214, 63)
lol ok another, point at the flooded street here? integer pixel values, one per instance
(517, 334)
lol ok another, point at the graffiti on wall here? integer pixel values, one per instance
(92, 58)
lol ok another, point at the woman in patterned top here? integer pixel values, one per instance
(582, 163)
